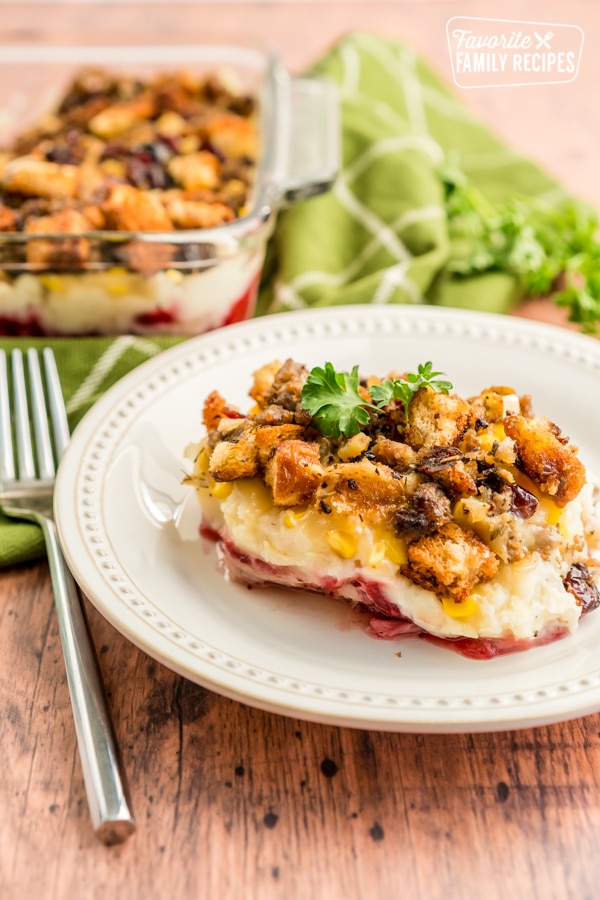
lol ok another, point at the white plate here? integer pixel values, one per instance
(130, 529)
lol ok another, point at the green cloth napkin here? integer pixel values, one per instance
(379, 237)
(87, 369)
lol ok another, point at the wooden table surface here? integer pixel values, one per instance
(232, 802)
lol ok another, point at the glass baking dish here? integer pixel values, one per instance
(179, 282)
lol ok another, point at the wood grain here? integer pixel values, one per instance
(234, 802)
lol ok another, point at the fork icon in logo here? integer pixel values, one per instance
(543, 41)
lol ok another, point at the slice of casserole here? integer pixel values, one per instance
(468, 521)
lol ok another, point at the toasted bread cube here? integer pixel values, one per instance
(61, 253)
(121, 117)
(269, 437)
(234, 136)
(237, 458)
(37, 177)
(360, 488)
(129, 209)
(436, 419)
(214, 410)
(198, 214)
(293, 472)
(196, 170)
(550, 463)
(8, 218)
(450, 562)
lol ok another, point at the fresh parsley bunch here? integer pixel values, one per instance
(334, 401)
(553, 251)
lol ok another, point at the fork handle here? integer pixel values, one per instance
(106, 789)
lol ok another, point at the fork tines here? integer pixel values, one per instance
(32, 404)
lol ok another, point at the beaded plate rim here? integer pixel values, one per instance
(79, 498)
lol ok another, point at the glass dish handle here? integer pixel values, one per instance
(314, 151)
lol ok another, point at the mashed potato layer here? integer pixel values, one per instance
(525, 599)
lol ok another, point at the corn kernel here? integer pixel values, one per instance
(202, 461)
(113, 167)
(221, 490)
(395, 550)
(174, 275)
(53, 283)
(377, 554)
(342, 544)
(117, 281)
(460, 610)
(292, 517)
(553, 514)
(494, 433)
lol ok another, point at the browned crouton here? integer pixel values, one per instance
(270, 436)
(117, 118)
(233, 136)
(215, 409)
(37, 177)
(552, 464)
(450, 562)
(394, 453)
(8, 218)
(293, 472)
(198, 214)
(129, 209)
(195, 170)
(60, 253)
(361, 488)
(235, 458)
(436, 419)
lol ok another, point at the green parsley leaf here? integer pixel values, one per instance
(552, 250)
(405, 388)
(333, 399)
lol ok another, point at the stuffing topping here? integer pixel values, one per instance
(174, 152)
(455, 487)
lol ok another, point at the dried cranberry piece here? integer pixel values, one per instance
(523, 502)
(113, 150)
(156, 317)
(143, 171)
(61, 155)
(579, 582)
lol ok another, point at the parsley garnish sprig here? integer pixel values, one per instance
(338, 408)
(552, 251)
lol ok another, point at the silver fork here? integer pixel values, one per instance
(26, 492)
